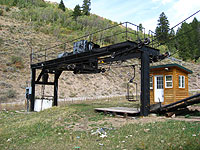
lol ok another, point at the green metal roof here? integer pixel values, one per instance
(172, 65)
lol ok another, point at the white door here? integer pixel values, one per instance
(158, 89)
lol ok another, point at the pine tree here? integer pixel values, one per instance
(76, 12)
(188, 40)
(171, 44)
(61, 5)
(162, 30)
(184, 44)
(15, 2)
(86, 7)
(195, 39)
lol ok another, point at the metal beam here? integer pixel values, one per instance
(145, 90)
(39, 77)
(45, 83)
(122, 57)
(100, 52)
(56, 77)
(33, 73)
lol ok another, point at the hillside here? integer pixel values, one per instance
(14, 38)
(15, 35)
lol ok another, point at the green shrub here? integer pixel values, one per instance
(3, 99)
(17, 61)
(72, 94)
(7, 9)
(187, 116)
(15, 2)
(1, 12)
(1, 41)
(11, 93)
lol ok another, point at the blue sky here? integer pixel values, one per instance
(146, 12)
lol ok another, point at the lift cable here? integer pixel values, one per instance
(175, 52)
(178, 35)
(185, 19)
(176, 26)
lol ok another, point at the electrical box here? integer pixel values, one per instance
(84, 46)
(28, 92)
(80, 46)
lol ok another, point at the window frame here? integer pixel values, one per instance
(151, 82)
(171, 81)
(181, 78)
(159, 84)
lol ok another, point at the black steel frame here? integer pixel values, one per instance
(121, 51)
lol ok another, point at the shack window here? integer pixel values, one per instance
(181, 81)
(168, 81)
(159, 82)
(151, 82)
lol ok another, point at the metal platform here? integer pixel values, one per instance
(125, 111)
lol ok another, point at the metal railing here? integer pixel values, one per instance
(103, 37)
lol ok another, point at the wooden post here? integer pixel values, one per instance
(145, 90)
(33, 73)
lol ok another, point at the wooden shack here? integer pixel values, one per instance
(168, 83)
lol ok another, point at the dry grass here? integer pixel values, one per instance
(12, 107)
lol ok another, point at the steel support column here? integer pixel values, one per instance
(33, 73)
(57, 75)
(145, 90)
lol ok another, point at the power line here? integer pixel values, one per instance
(174, 27)
(185, 19)
(177, 36)
(180, 35)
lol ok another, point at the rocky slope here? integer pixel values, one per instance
(15, 67)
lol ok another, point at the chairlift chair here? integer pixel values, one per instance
(132, 95)
(132, 91)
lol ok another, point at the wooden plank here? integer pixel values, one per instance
(124, 110)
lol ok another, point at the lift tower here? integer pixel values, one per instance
(86, 61)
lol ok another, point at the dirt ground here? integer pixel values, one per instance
(120, 121)
(115, 122)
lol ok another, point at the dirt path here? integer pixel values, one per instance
(191, 119)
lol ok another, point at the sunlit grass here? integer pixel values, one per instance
(71, 127)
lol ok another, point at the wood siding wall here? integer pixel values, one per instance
(181, 93)
(170, 94)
